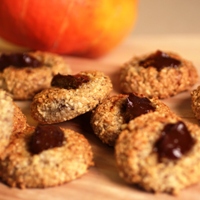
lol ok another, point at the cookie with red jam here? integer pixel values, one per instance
(25, 74)
(159, 74)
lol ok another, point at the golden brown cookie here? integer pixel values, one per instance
(159, 153)
(44, 157)
(109, 117)
(6, 119)
(25, 74)
(76, 95)
(195, 102)
(159, 74)
(12, 120)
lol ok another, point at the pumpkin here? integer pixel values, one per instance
(89, 28)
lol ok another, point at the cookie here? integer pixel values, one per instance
(160, 74)
(70, 96)
(195, 102)
(12, 120)
(159, 153)
(6, 119)
(109, 117)
(25, 74)
(44, 157)
(19, 120)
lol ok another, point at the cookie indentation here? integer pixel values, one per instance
(46, 137)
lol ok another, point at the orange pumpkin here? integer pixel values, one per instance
(74, 27)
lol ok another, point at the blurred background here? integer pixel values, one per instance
(168, 17)
(162, 17)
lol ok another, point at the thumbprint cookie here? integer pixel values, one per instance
(159, 153)
(45, 156)
(25, 74)
(110, 116)
(70, 96)
(159, 74)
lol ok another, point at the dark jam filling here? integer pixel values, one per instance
(160, 60)
(46, 137)
(18, 60)
(136, 106)
(175, 141)
(69, 81)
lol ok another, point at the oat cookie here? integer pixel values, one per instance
(152, 153)
(25, 74)
(6, 119)
(109, 117)
(26, 165)
(195, 102)
(58, 104)
(160, 74)
(12, 120)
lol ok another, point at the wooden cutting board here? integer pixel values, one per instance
(102, 181)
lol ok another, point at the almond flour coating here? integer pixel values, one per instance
(23, 83)
(138, 162)
(56, 105)
(153, 83)
(6, 119)
(51, 167)
(195, 102)
(107, 118)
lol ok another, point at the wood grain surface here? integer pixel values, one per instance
(102, 181)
